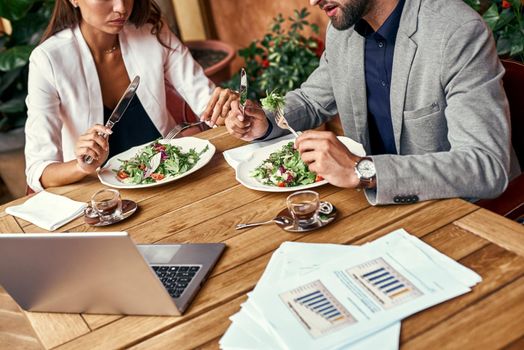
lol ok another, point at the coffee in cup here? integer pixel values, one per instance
(107, 204)
(303, 207)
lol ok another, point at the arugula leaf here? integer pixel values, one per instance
(273, 101)
(284, 168)
(174, 162)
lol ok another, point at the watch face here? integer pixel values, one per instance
(366, 168)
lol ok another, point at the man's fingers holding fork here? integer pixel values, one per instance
(249, 125)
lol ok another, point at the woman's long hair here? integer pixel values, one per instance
(65, 15)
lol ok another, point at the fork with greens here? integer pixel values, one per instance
(274, 102)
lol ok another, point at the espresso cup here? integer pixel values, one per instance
(107, 204)
(304, 206)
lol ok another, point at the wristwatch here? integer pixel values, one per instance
(366, 173)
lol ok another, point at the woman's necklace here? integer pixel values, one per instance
(113, 48)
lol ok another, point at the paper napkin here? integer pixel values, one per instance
(48, 210)
(237, 155)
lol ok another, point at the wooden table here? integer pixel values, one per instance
(205, 206)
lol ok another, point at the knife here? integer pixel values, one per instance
(119, 110)
(243, 89)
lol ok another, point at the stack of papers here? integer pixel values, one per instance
(325, 296)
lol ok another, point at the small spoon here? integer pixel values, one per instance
(280, 220)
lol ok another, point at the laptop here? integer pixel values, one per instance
(103, 273)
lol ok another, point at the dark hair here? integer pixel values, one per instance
(65, 15)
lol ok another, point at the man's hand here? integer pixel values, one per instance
(218, 106)
(249, 126)
(328, 157)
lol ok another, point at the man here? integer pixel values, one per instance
(418, 83)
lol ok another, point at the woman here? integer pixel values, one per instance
(87, 57)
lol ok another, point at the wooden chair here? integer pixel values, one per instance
(511, 202)
(181, 112)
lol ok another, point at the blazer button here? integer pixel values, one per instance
(415, 198)
(396, 199)
(402, 199)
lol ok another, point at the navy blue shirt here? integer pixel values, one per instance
(134, 128)
(378, 62)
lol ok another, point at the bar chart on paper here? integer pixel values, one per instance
(384, 283)
(317, 309)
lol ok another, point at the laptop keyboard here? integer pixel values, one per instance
(175, 278)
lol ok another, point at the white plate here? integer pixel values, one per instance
(108, 177)
(246, 167)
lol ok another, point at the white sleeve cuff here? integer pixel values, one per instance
(34, 173)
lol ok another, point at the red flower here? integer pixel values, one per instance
(320, 47)
(506, 4)
(265, 63)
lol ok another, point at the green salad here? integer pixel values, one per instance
(273, 101)
(173, 162)
(284, 168)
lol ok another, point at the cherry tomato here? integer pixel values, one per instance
(157, 176)
(122, 174)
(281, 184)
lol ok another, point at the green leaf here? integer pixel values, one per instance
(15, 57)
(304, 13)
(503, 45)
(517, 43)
(491, 16)
(475, 4)
(516, 4)
(505, 18)
(273, 101)
(4, 123)
(14, 105)
(15, 9)
(29, 29)
(8, 78)
(3, 40)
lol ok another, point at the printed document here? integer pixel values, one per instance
(363, 292)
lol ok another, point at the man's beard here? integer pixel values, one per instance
(350, 13)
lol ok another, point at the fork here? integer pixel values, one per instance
(282, 122)
(181, 127)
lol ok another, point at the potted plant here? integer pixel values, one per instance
(214, 56)
(506, 20)
(283, 58)
(28, 20)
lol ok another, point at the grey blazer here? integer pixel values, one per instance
(449, 111)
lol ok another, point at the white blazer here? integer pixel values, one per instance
(64, 97)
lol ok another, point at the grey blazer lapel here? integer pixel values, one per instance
(358, 88)
(405, 50)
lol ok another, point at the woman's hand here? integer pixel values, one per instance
(219, 106)
(94, 145)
